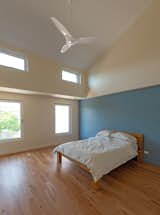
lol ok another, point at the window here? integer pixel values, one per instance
(13, 60)
(10, 120)
(72, 77)
(62, 119)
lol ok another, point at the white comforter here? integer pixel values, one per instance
(99, 154)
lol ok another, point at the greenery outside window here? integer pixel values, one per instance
(10, 120)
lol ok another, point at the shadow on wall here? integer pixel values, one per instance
(133, 61)
(132, 111)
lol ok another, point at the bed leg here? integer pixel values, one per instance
(140, 156)
(96, 185)
(59, 157)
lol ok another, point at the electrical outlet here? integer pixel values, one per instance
(146, 152)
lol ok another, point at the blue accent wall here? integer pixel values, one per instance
(132, 111)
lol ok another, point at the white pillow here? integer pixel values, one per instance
(124, 136)
(104, 133)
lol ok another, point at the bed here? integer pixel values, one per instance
(101, 154)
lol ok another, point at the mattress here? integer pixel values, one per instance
(99, 154)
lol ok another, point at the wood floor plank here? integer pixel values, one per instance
(33, 183)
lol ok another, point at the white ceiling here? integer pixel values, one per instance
(26, 24)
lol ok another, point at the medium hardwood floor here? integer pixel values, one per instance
(33, 184)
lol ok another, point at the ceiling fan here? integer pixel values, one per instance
(70, 40)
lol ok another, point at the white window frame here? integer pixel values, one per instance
(72, 72)
(70, 119)
(14, 140)
(15, 54)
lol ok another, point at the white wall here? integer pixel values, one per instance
(134, 61)
(44, 76)
(38, 123)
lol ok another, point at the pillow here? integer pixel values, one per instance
(104, 133)
(124, 136)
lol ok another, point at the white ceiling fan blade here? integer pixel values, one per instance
(65, 48)
(86, 40)
(61, 28)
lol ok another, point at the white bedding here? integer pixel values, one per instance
(99, 154)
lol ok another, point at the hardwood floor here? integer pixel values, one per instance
(33, 184)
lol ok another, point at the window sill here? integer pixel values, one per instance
(14, 140)
(63, 134)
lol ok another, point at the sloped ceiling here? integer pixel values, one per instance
(26, 24)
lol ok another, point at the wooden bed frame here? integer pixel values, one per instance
(140, 143)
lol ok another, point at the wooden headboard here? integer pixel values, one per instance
(140, 143)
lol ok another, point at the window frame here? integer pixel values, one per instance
(70, 119)
(78, 74)
(17, 55)
(18, 139)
